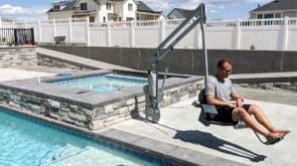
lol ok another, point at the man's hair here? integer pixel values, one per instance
(221, 63)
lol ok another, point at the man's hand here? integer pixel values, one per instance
(239, 102)
(232, 105)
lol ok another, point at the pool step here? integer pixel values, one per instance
(91, 156)
(61, 153)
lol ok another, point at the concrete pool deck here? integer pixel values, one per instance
(179, 126)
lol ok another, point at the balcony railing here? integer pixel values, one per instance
(16, 37)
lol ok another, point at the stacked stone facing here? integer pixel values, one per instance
(89, 116)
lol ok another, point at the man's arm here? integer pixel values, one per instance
(213, 101)
(237, 98)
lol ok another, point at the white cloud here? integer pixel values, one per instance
(21, 13)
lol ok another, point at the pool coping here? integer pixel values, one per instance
(180, 155)
(87, 98)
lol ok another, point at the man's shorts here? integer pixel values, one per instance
(225, 114)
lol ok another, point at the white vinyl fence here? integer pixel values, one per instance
(264, 34)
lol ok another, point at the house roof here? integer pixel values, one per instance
(277, 5)
(141, 6)
(70, 5)
(184, 12)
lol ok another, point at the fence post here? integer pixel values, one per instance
(70, 30)
(162, 29)
(108, 35)
(88, 41)
(285, 33)
(0, 22)
(39, 32)
(132, 34)
(32, 36)
(15, 32)
(237, 35)
(54, 29)
(197, 37)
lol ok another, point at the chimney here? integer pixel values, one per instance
(259, 5)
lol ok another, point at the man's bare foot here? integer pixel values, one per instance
(281, 131)
(275, 135)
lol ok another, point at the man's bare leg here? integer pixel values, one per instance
(246, 117)
(263, 120)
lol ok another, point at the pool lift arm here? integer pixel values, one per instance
(153, 96)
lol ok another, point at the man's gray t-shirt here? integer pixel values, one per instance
(222, 90)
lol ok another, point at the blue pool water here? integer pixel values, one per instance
(24, 142)
(104, 83)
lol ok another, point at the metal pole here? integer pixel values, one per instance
(204, 50)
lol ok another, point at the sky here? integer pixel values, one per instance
(216, 9)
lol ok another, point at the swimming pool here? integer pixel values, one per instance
(104, 83)
(25, 142)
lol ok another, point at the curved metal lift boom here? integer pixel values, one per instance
(153, 96)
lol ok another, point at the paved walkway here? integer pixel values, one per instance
(8, 74)
(179, 126)
(264, 75)
(78, 60)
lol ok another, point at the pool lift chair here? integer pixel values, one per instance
(154, 96)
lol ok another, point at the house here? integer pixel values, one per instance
(144, 12)
(178, 13)
(103, 11)
(275, 9)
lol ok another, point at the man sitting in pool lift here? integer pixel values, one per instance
(230, 107)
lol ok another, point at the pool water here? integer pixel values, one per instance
(27, 143)
(104, 83)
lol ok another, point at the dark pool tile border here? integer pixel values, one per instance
(145, 148)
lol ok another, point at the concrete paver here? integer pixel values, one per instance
(179, 126)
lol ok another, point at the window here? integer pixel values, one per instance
(130, 7)
(104, 19)
(108, 6)
(259, 16)
(129, 18)
(83, 6)
(278, 15)
(56, 7)
(269, 15)
(120, 18)
(92, 19)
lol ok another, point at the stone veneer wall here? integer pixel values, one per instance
(17, 56)
(87, 116)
